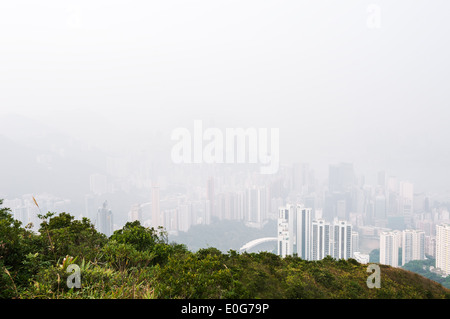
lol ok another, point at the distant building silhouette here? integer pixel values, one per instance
(105, 220)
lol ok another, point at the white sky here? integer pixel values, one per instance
(337, 89)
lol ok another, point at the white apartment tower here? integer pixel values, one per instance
(342, 245)
(413, 245)
(303, 232)
(320, 242)
(299, 235)
(283, 247)
(443, 247)
(389, 247)
(294, 231)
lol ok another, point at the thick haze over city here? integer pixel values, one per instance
(96, 88)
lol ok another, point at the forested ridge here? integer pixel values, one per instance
(139, 262)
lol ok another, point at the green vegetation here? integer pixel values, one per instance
(138, 262)
(424, 268)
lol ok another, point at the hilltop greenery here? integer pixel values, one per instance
(139, 262)
(426, 269)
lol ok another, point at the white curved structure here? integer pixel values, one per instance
(257, 242)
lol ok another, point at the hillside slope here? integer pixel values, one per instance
(265, 275)
(138, 262)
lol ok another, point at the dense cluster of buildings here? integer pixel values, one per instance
(339, 214)
(299, 234)
(399, 247)
(302, 235)
(344, 217)
(348, 218)
(26, 210)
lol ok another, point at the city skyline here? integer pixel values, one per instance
(255, 201)
(225, 149)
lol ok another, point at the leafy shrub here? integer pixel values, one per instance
(121, 256)
(191, 277)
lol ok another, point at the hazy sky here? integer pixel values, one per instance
(338, 88)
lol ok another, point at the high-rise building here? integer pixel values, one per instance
(320, 242)
(105, 220)
(342, 243)
(389, 248)
(443, 248)
(413, 245)
(294, 231)
(309, 239)
(284, 247)
(303, 232)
